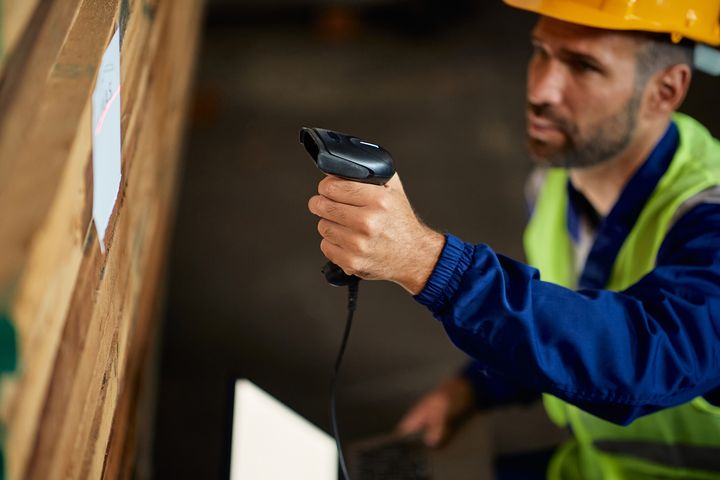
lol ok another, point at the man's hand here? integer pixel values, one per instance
(436, 413)
(371, 231)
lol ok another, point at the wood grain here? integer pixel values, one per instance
(87, 320)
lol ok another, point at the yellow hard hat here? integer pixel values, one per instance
(697, 20)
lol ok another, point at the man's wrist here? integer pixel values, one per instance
(425, 257)
(460, 391)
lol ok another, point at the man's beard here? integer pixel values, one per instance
(606, 140)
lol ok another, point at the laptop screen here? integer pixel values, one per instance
(270, 441)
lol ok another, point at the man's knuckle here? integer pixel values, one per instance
(359, 245)
(331, 188)
(364, 225)
(383, 203)
(371, 224)
(327, 206)
(353, 264)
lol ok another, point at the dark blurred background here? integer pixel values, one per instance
(440, 84)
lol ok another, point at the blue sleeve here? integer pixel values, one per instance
(618, 355)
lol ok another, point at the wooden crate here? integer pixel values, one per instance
(86, 320)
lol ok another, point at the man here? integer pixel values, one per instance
(619, 323)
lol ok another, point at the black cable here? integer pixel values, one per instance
(352, 304)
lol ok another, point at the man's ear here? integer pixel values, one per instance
(668, 88)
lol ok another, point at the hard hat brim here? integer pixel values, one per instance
(592, 17)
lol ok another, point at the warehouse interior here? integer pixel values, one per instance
(438, 84)
(158, 246)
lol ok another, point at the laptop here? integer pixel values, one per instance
(271, 442)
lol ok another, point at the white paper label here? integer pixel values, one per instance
(106, 138)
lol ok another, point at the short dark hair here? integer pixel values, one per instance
(657, 51)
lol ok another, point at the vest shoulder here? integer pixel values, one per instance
(698, 151)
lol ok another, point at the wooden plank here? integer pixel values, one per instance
(39, 346)
(39, 115)
(15, 17)
(85, 319)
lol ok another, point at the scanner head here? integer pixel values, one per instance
(347, 156)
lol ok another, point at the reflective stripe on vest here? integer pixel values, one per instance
(692, 457)
(686, 429)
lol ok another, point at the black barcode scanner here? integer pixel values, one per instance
(351, 158)
(354, 159)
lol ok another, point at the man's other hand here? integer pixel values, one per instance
(372, 231)
(438, 411)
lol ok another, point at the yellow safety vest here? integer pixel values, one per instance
(682, 442)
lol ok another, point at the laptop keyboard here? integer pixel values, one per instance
(401, 459)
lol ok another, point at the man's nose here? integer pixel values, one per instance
(546, 83)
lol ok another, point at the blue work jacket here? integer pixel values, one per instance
(472, 280)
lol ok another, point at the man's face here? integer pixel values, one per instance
(582, 93)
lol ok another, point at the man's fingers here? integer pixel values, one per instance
(335, 254)
(434, 429)
(339, 235)
(435, 434)
(348, 192)
(412, 422)
(333, 211)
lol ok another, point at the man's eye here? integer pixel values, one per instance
(539, 52)
(583, 66)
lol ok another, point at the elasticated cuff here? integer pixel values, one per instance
(445, 278)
